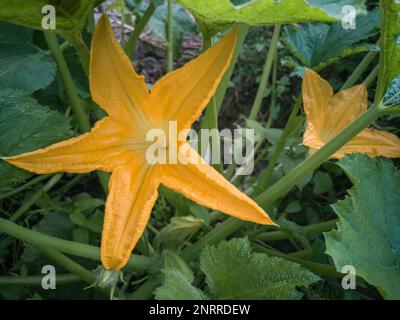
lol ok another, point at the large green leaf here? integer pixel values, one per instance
(215, 15)
(23, 65)
(318, 45)
(389, 65)
(368, 235)
(25, 125)
(234, 272)
(70, 14)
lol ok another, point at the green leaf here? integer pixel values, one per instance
(234, 272)
(271, 134)
(178, 278)
(176, 286)
(214, 16)
(178, 230)
(70, 14)
(37, 127)
(368, 234)
(322, 182)
(23, 65)
(318, 45)
(389, 64)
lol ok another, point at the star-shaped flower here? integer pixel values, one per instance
(118, 143)
(328, 114)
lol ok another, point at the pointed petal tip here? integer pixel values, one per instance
(266, 220)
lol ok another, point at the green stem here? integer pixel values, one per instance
(319, 268)
(30, 201)
(68, 264)
(69, 85)
(37, 280)
(371, 77)
(242, 31)
(82, 50)
(24, 186)
(170, 38)
(139, 27)
(266, 73)
(266, 175)
(357, 73)
(307, 230)
(211, 122)
(135, 264)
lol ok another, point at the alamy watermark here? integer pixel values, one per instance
(49, 280)
(349, 280)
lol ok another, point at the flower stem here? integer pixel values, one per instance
(372, 76)
(357, 73)
(170, 38)
(139, 27)
(135, 264)
(266, 73)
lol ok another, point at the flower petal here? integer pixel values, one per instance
(203, 184)
(375, 143)
(316, 96)
(133, 191)
(183, 94)
(101, 148)
(114, 84)
(343, 108)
